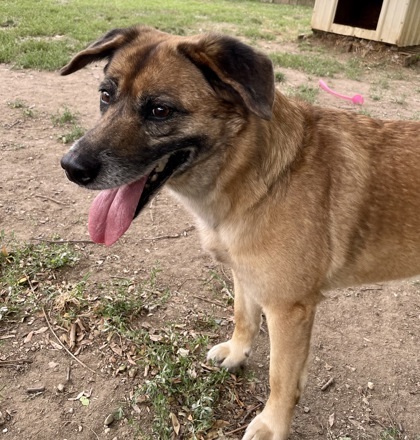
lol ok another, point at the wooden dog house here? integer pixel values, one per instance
(390, 21)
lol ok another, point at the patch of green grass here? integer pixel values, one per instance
(180, 390)
(307, 93)
(44, 34)
(400, 100)
(17, 103)
(64, 117)
(311, 64)
(391, 434)
(280, 77)
(71, 136)
(27, 110)
(123, 302)
(26, 270)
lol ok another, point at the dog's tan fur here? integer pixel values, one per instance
(296, 199)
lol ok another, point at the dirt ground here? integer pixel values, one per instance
(366, 340)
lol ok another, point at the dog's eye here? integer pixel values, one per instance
(105, 97)
(161, 112)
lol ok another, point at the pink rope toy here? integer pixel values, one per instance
(356, 99)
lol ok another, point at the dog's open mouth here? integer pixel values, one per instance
(114, 209)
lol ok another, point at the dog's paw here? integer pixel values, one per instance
(264, 427)
(229, 355)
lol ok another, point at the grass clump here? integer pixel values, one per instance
(28, 273)
(66, 118)
(182, 392)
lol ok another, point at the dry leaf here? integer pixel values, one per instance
(41, 330)
(331, 420)
(175, 423)
(28, 337)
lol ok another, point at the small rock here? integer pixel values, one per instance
(71, 410)
(60, 387)
(306, 409)
(110, 418)
(80, 428)
(107, 430)
(370, 385)
(132, 372)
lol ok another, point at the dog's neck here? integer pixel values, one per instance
(255, 162)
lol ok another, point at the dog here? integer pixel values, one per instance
(295, 198)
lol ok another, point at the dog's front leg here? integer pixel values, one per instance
(233, 353)
(289, 327)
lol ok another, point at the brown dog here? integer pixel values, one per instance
(295, 199)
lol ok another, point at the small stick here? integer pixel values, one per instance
(216, 303)
(241, 428)
(248, 413)
(329, 382)
(17, 362)
(51, 199)
(35, 390)
(64, 241)
(65, 348)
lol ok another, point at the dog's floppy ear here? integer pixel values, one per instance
(100, 49)
(248, 72)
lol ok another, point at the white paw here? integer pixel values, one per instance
(265, 427)
(229, 355)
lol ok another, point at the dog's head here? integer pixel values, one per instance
(166, 102)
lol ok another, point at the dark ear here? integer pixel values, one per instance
(100, 49)
(248, 72)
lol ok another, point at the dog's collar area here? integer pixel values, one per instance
(160, 174)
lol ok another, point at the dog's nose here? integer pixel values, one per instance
(81, 170)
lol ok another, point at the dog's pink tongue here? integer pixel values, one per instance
(112, 212)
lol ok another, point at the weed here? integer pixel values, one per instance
(307, 93)
(365, 112)
(280, 77)
(17, 103)
(221, 285)
(76, 133)
(391, 434)
(400, 100)
(178, 385)
(64, 118)
(124, 302)
(27, 270)
(26, 109)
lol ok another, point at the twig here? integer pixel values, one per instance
(217, 303)
(35, 390)
(241, 428)
(9, 126)
(51, 199)
(64, 241)
(10, 363)
(65, 348)
(250, 411)
(329, 382)
(169, 236)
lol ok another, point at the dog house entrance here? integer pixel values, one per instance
(358, 13)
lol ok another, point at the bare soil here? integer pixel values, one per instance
(366, 340)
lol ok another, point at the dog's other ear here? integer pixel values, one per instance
(248, 72)
(100, 49)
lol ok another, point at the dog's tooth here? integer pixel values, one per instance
(153, 178)
(161, 165)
